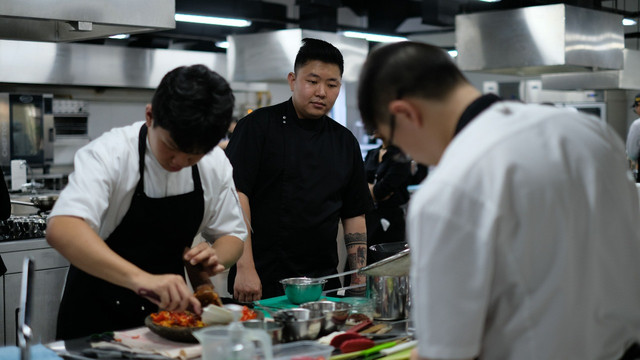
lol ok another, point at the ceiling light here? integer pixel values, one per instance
(374, 37)
(490, 1)
(222, 44)
(212, 20)
(453, 53)
(628, 22)
(119, 36)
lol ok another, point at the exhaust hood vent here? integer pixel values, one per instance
(269, 56)
(539, 39)
(626, 79)
(74, 20)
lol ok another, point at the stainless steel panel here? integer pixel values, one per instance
(47, 285)
(270, 56)
(69, 20)
(48, 131)
(27, 62)
(43, 258)
(539, 39)
(627, 78)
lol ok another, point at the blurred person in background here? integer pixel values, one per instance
(388, 174)
(525, 239)
(299, 173)
(633, 138)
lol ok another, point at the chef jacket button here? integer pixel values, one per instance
(284, 121)
(142, 308)
(117, 302)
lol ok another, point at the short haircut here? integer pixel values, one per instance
(404, 69)
(314, 49)
(195, 105)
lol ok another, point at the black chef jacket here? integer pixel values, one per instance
(301, 177)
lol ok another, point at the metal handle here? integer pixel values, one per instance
(338, 274)
(344, 288)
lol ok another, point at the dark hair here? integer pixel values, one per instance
(403, 69)
(194, 104)
(314, 49)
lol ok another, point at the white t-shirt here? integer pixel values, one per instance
(106, 172)
(525, 241)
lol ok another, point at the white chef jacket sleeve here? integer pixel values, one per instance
(88, 193)
(450, 234)
(633, 141)
(223, 214)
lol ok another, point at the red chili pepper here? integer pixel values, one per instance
(356, 345)
(339, 339)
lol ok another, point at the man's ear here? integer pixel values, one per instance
(291, 78)
(148, 115)
(406, 110)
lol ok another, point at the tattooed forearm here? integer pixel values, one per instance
(356, 249)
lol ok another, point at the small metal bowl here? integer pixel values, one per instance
(301, 289)
(299, 324)
(334, 314)
(274, 329)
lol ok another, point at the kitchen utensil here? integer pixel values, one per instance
(334, 314)
(299, 324)
(366, 352)
(273, 328)
(178, 334)
(301, 290)
(213, 314)
(343, 288)
(233, 342)
(390, 296)
(42, 203)
(196, 273)
(395, 265)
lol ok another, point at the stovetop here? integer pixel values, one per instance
(23, 227)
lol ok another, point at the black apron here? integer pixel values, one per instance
(152, 235)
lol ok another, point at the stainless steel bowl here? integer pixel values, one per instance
(274, 329)
(299, 324)
(300, 290)
(334, 314)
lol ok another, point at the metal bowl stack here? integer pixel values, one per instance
(334, 314)
(299, 324)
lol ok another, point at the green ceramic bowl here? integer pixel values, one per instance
(301, 289)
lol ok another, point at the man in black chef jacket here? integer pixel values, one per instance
(138, 196)
(298, 173)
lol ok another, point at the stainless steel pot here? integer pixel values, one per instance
(388, 286)
(390, 296)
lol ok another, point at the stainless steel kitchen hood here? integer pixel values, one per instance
(539, 39)
(73, 20)
(628, 78)
(269, 56)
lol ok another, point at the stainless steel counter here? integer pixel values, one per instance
(49, 276)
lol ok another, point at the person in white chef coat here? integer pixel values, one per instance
(525, 238)
(633, 136)
(137, 197)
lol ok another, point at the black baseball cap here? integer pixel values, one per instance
(636, 100)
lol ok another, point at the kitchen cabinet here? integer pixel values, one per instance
(48, 282)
